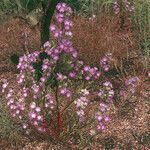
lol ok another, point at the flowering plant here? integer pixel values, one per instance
(55, 89)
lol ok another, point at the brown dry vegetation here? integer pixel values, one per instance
(92, 39)
(11, 38)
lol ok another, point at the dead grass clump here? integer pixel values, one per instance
(94, 38)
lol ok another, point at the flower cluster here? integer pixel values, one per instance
(63, 12)
(105, 62)
(26, 60)
(50, 102)
(116, 7)
(46, 69)
(65, 92)
(107, 92)
(90, 73)
(76, 69)
(66, 46)
(128, 6)
(36, 119)
(25, 66)
(4, 85)
(101, 117)
(20, 78)
(81, 104)
(35, 90)
(62, 32)
(132, 83)
(64, 8)
(24, 92)
(16, 108)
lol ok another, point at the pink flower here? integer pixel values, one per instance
(52, 27)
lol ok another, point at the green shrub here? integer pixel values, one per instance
(141, 20)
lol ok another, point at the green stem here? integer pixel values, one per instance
(58, 111)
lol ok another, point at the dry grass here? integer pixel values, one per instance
(94, 38)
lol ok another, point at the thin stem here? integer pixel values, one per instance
(58, 111)
(67, 107)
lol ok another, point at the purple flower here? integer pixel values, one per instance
(59, 17)
(87, 78)
(47, 45)
(50, 104)
(33, 105)
(107, 118)
(61, 77)
(86, 68)
(101, 127)
(100, 93)
(103, 107)
(132, 83)
(72, 74)
(116, 7)
(20, 78)
(4, 85)
(25, 126)
(65, 92)
(25, 92)
(52, 27)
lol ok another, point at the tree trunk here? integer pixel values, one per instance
(46, 19)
